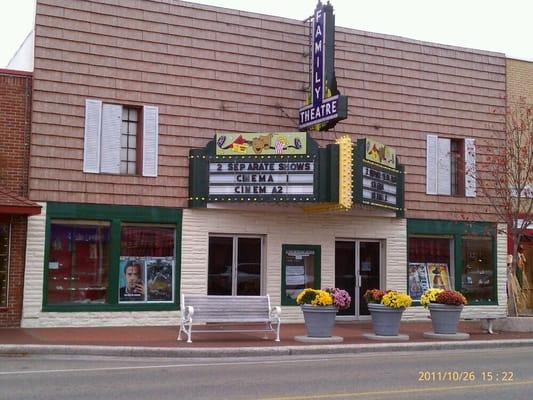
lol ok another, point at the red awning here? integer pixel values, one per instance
(12, 204)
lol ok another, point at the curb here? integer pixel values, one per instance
(216, 352)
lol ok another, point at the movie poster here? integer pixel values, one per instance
(439, 277)
(131, 282)
(146, 279)
(418, 280)
(159, 278)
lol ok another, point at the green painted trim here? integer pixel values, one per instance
(333, 178)
(318, 263)
(117, 215)
(358, 155)
(400, 191)
(108, 212)
(198, 176)
(322, 176)
(114, 262)
(457, 229)
(448, 227)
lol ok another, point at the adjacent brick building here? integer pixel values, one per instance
(123, 92)
(15, 123)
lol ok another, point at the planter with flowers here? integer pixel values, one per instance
(320, 308)
(386, 308)
(445, 307)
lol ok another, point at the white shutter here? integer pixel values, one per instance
(444, 167)
(91, 142)
(111, 126)
(150, 140)
(470, 168)
(431, 164)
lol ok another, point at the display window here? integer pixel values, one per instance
(146, 264)
(4, 262)
(300, 270)
(235, 265)
(477, 271)
(78, 262)
(123, 258)
(430, 265)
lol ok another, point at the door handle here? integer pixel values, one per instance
(359, 280)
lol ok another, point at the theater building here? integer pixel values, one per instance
(187, 145)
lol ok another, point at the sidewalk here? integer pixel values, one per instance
(161, 341)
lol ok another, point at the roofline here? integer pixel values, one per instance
(4, 71)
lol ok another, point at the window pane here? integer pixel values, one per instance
(220, 270)
(132, 129)
(128, 140)
(147, 259)
(78, 263)
(4, 260)
(429, 265)
(477, 274)
(249, 267)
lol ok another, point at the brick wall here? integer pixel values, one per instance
(519, 80)
(15, 103)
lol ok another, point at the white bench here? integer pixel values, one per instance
(201, 309)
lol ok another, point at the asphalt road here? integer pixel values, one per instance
(472, 374)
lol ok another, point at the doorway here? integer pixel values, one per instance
(357, 269)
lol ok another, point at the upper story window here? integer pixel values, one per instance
(120, 139)
(129, 141)
(450, 166)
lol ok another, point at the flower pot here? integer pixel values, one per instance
(386, 320)
(319, 321)
(445, 318)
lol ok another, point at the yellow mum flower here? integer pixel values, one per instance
(430, 296)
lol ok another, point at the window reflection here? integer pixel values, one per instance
(78, 263)
(477, 274)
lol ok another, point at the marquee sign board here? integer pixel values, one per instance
(319, 178)
(376, 184)
(305, 177)
(265, 178)
(327, 106)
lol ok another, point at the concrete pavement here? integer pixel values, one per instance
(161, 341)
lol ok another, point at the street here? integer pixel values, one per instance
(472, 374)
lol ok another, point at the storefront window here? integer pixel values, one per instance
(78, 262)
(477, 272)
(234, 266)
(4, 262)
(430, 265)
(146, 264)
(301, 268)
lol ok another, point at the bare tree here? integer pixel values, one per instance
(506, 183)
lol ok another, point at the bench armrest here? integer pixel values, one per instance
(275, 312)
(188, 312)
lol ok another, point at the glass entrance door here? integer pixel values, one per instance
(357, 268)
